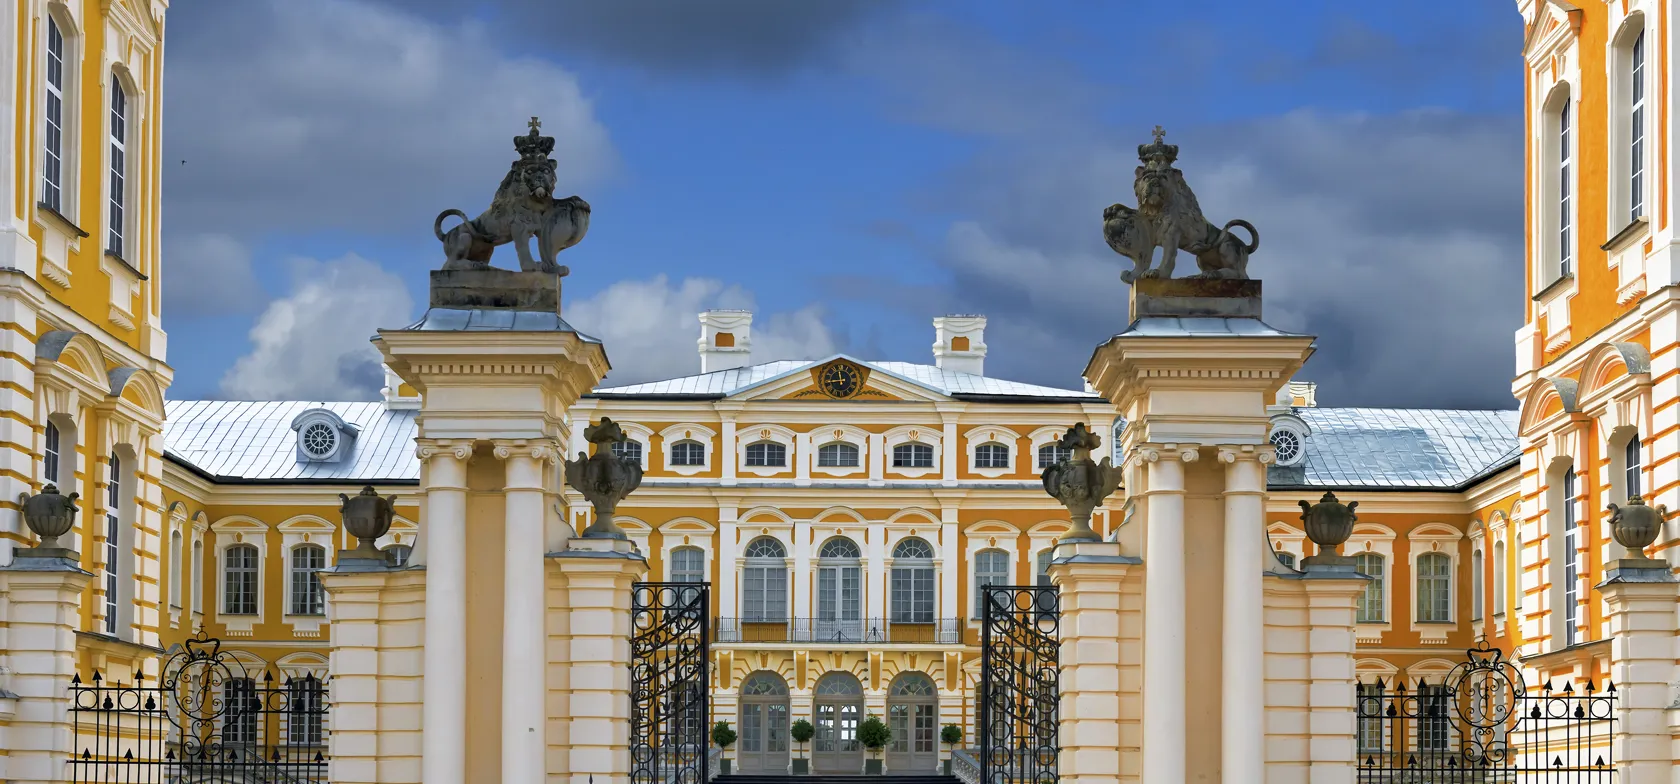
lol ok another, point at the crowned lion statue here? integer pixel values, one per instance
(522, 209)
(1169, 217)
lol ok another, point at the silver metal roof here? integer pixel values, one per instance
(255, 440)
(1176, 326)
(1400, 448)
(722, 383)
(452, 320)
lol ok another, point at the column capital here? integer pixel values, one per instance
(428, 448)
(542, 449)
(1154, 453)
(1265, 454)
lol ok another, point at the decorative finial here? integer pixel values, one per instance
(1159, 132)
(1636, 526)
(604, 478)
(1080, 483)
(536, 125)
(1328, 523)
(367, 516)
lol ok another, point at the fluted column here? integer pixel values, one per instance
(444, 690)
(1242, 675)
(524, 660)
(1163, 615)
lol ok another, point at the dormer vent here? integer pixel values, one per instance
(323, 436)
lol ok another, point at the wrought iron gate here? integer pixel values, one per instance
(670, 683)
(1020, 685)
(1481, 723)
(205, 718)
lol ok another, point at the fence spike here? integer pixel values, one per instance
(86, 754)
(1548, 686)
(1557, 762)
(169, 756)
(1411, 761)
(1599, 763)
(76, 681)
(268, 676)
(1452, 762)
(275, 755)
(151, 704)
(1580, 712)
(128, 756)
(97, 678)
(1590, 688)
(1610, 686)
(319, 758)
(1568, 688)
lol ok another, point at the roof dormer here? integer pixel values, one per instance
(323, 436)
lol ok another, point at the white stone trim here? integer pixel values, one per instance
(989, 434)
(698, 537)
(838, 433)
(1038, 438)
(748, 435)
(931, 436)
(1379, 540)
(230, 531)
(687, 431)
(986, 535)
(1286, 538)
(294, 532)
(1435, 538)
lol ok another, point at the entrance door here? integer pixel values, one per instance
(763, 746)
(913, 717)
(838, 708)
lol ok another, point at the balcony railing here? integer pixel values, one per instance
(862, 631)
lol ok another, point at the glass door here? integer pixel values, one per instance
(839, 604)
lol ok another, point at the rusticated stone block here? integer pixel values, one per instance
(495, 289)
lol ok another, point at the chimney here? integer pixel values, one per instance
(725, 339)
(959, 343)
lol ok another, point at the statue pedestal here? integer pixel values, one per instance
(496, 289)
(1195, 298)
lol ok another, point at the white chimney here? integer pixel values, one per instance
(725, 339)
(959, 343)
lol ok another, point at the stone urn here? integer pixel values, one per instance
(49, 515)
(1329, 523)
(1081, 483)
(1635, 526)
(604, 478)
(367, 516)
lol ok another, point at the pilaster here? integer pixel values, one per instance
(598, 575)
(1101, 630)
(1641, 614)
(39, 607)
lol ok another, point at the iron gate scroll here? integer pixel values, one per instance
(1482, 724)
(670, 683)
(205, 718)
(1020, 676)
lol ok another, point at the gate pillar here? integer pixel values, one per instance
(1641, 596)
(597, 574)
(40, 598)
(378, 637)
(1101, 657)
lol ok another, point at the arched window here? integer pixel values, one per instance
(764, 581)
(1499, 572)
(912, 455)
(1053, 453)
(1516, 541)
(1566, 252)
(177, 568)
(1371, 565)
(912, 581)
(1636, 127)
(837, 455)
(688, 453)
(839, 591)
(767, 454)
(113, 543)
(49, 454)
(840, 547)
(1434, 587)
(119, 168)
(398, 553)
(991, 455)
(991, 567)
(1041, 572)
(52, 169)
(628, 449)
(688, 565)
(1476, 584)
(307, 596)
(1571, 560)
(239, 580)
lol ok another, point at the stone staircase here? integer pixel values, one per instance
(783, 778)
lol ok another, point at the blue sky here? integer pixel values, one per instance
(848, 170)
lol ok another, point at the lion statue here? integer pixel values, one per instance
(521, 210)
(1168, 217)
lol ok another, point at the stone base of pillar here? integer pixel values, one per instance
(1101, 627)
(378, 634)
(40, 601)
(1640, 598)
(596, 575)
(1310, 685)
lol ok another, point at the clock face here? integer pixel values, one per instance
(841, 380)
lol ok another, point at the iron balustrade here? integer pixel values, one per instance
(1020, 684)
(670, 679)
(862, 631)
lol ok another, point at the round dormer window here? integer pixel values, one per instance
(1288, 446)
(319, 440)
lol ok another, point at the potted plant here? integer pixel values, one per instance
(951, 734)
(874, 735)
(801, 731)
(722, 735)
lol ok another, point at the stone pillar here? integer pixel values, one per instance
(444, 527)
(726, 450)
(378, 622)
(40, 599)
(524, 638)
(1641, 595)
(1332, 594)
(952, 566)
(1243, 643)
(1095, 628)
(1163, 618)
(598, 575)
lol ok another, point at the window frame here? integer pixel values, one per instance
(118, 166)
(836, 447)
(1564, 188)
(679, 573)
(767, 569)
(680, 452)
(1052, 449)
(628, 449)
(765, 452)
(305, 597)
(1376, 589)
(51, 457)
(1636, 136)
(985, 572)
(57, 195)
(1571, 531)
(1427, 584)
(992, 454)
(915, 455)
(254, 569)
(913, 582)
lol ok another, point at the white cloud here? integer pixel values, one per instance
(313, 343)
(208, 274)
(352, 115)
(650, 326)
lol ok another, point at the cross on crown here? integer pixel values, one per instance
(534, 146)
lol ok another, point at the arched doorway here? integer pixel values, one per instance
(838, 707)
(764, 724)
(913, 717)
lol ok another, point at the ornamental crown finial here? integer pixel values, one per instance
(605, 431)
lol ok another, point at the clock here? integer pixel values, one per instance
(840, 380)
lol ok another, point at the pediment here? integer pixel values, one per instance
(840, 379)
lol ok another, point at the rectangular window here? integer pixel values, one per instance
(1370, 717)
(688, 565)
(240, 711)
(991, 567)
(1371, 599)
(119, 170)
(1565, 251)
(1633, 470)
(1476, 585)
(49, 455)
(1636, 130)
(767, 454)
(304, 711)
(113, 535)
(912, 595)
(1571, 560)
(991, 456)
(52, 170)
(912, 455)
(765, 595)
(1434, 586)
(307, 596)
(1434, 721)
(240, 588)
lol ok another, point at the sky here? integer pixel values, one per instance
(847, 169)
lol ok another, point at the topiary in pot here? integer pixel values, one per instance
(951, 734)
(802, 732)
(874, 735)
(722, 735)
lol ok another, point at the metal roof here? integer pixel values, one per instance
(1177, 326)
(1400, 448)
(453, 320)
(255, 441)
(723, 383)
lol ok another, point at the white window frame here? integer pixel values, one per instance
(981, 436)
(1477, 583)
(913, 567)
(1570, 525)
(1629, 128)
(256, 583)
(1564, 238)
(784, 564)
(689, 532)
(52, 456)
(294, 533)
(1418, 564)
(312, 581)
(673, 574)
(747, 435)
(975, 584)
(844, 434)
(69, 118)
(1637, 183)
(931, 437)
(1378, 585)
(688, 431)
(1037, 440)
(1433, 537)
(230, 531)
(118, 166)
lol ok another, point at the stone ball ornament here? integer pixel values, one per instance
(367, 516)
(604, 478)
(1328, 523)
(1080, 483)
(1636, 525)
(49, 515)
